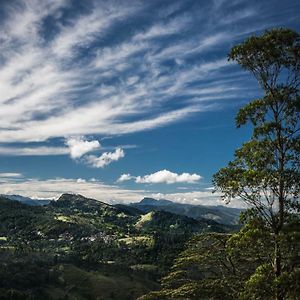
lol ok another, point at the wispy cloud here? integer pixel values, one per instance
(73, 72)
(69, 82)
(33, 151)
(86, 28)
(48, 150)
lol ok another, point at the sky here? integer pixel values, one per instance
(120, 100)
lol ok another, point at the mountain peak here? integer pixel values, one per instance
(152, 201)
(78, 199)
(69, 196)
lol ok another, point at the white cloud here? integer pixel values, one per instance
(165, 176)
(78, 146)
(80, 180)
(105, 159)
(34, 151)
(125, 177)
(10, 175)
(162, 176)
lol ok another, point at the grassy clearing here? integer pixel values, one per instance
(144, 240)
(65, 219)
(144, 219)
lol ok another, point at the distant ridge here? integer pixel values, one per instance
(219, 213)
(27, 200)
(152, 201)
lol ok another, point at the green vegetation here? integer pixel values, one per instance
(144, 219)
(79, 248)
(266, 170)
(232, 266)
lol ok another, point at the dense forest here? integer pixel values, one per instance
(79, 248)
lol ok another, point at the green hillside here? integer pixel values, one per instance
(220, 213)
(81, 248)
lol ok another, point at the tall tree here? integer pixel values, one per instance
(265, 172)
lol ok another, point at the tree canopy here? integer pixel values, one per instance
(265, 172)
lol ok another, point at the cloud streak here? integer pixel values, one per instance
(72, 82)
(11, 175)
(34, 151)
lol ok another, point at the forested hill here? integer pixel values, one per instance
(220, 213)
(82, 248)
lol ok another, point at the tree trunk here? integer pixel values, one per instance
(277, 266)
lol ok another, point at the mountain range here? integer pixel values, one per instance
(221, 214)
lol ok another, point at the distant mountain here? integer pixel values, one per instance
(155, 220)
(151, 201)
(220, 214)
(27, 200)
(78, 202)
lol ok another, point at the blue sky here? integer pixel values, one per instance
(118, 100)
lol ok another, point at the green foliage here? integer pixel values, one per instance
(265, 172)
(268, 165)
(260, 284)
(267, 55)
(203, 271)
(233, 266)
